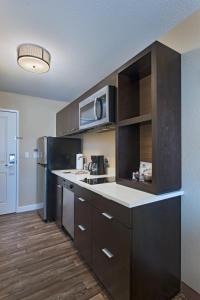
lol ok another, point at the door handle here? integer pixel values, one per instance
(107, 253)
(81, 199)
(107, 216)
(82, 228)
(9, 165)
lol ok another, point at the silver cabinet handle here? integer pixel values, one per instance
(81, 199)
(59, 186)
(107, 253)
(82, 228)
(107, 216)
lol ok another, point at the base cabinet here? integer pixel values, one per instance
(141, 261)
(82, 228)
(111, 254)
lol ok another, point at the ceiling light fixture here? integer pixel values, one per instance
(33, 58)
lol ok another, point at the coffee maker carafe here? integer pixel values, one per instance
(97, 166)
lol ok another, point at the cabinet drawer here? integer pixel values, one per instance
(82, 231)
(118, 211)
(111, 254)
(113, 271)
(110, 233)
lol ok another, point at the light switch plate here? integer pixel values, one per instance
(26, 155)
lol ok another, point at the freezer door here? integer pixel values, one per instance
(62, 153)
(42, 190)
(42, 150)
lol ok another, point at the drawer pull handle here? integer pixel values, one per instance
(59, 186)
(81, 199)
(107, 253)
(107, 216)
(82, 228)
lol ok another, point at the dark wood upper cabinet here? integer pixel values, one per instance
(67, 120)
(149, 119)
(60, 116)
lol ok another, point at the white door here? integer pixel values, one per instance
(8, 169)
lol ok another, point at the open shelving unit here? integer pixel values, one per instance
(148, 119)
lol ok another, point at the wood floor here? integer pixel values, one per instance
(39, 262)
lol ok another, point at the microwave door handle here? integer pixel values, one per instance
(95, 108)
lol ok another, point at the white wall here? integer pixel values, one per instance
(37, 117)
(191, 168)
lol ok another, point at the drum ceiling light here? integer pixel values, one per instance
(33, 58)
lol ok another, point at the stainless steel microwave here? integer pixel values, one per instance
(98, 109)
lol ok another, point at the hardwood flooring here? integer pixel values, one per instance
(39, 262)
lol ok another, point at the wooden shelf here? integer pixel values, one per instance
(149, 94)
(135, 120)
(139, 185)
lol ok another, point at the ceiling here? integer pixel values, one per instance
(87, 39)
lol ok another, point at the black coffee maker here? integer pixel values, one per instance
(97, 166)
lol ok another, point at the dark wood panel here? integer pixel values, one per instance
(60, 125)
(128, 151)
(156, 250)
(135, 120)
(145, 95)
(155, 78)
(146, 142)
(128, 94)
(83, 228)
(114, 272)
(119, 212)
(166, 64)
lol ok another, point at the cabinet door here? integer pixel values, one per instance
(60, 123)
(66, 120)
(75, 116)
(111, 254)
(82, 231)
(59, 193)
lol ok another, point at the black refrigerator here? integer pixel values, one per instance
(54, 153)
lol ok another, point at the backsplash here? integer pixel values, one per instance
(100, 144)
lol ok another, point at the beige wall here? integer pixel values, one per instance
(37, 117)
(100, 144)
(185, 39)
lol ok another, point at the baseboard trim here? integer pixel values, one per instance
(29, 207)
(189, 293)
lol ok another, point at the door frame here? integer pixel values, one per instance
(17, 154)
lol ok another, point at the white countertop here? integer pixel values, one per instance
(121, 194)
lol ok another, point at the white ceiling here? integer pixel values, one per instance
(87, 39)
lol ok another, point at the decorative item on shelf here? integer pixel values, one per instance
(145, 171)
(147, 177)
(33, 58)
(135, 176)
